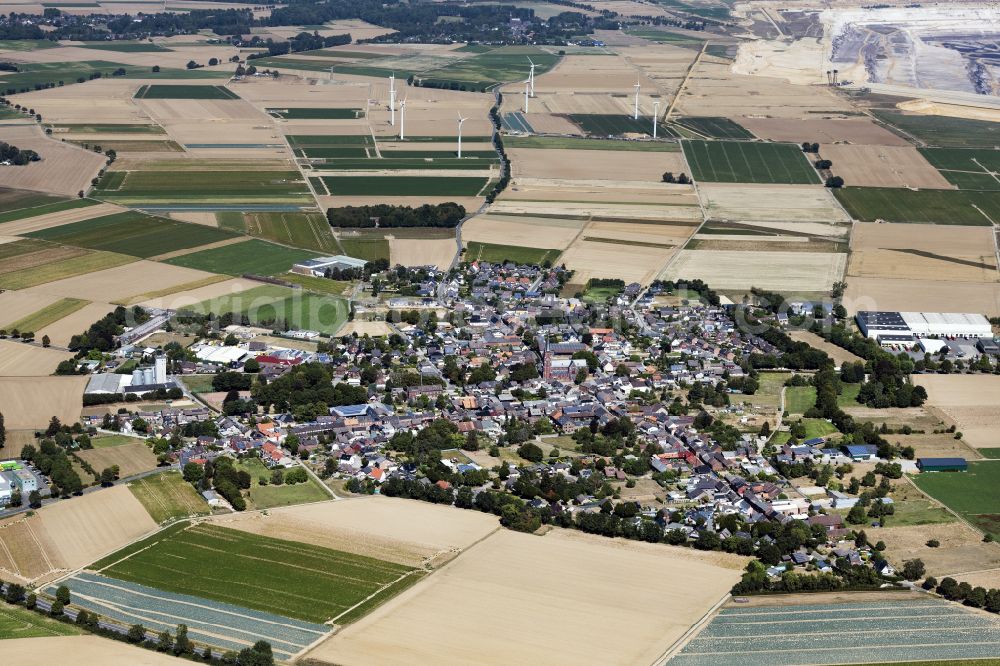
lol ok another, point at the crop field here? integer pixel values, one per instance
(596, 124)
(572, 143)
(944, 131)
(305, 230)
(131, 458)
(30, 402)
(960, 207)
(253, 256)
(966, 169)
(314, 584)
(974, 494)
(492, 253)
(125, 47)
(298, 308)
(714, 127)
(883, 166)
(971, 402)
(316, 113)
(498, 65)
(389, 163)
(949, 253)
(48, 315)
(401, 186)
(744, 162)
(133, 233)
(365, 246)
(162, 91)
(319, 285)
(848, 633)
(780, 271)
(222, 625)
(201, 187)
(323, 140)
(56, 264)
(16, 622)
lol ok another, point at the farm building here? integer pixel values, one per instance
(942, 465)
(317, 267)
(861, 452)
(878, 325)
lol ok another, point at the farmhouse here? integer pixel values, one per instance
(880, 324)
(317, 267)
(942, 465)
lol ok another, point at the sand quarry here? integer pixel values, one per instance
(644, 595)
(971, 402)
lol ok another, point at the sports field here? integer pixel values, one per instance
(913, 627)
(745, 162)
(133, 233)
(295, 580)
(597, 124)
(967, 169)
(162, 91)
(16, 622)
(943, 131)
(958, 207)
(402, 186)
(167, 496)
(253, 256)
(714, 127)
(493, 253)
(974, 494)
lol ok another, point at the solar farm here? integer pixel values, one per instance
(921, 628)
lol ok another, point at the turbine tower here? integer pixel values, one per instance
(656, 116)
(402, 119)
(636, 99)
(392, 99)
(531, 77)
(460, 121)
(527, 88)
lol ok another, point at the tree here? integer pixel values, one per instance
(913, 569)
(164, 643)
(57, 609)
(668, 177)
(45, 341)
(182, 644)
(530, 451)
(193, 472)
(707, 540)
(136, 633)
(933, 543)
(156, 68)
(108, 476)
(3, 432)
(834, 182)
(62, 594)
(471, 442)
(856, 516)
(35, 499)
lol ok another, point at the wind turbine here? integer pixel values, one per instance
(656, 116)
(402, 119)
(460, 121)
(637, 99)
(331, 74)
(527, 87)
(392, 99)
(531, 77)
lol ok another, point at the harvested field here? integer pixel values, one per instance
(394, 530)
(63, 169)
(912, 295)
(942, 445)
(522, 231)
(197, 294)
(22, 551)
(779, 271)
(961, 549)
(168, 496)
(618, 166)
(645, 614)
(30, 402)
(422, 252)
(362, 328)
(632, 263)
(87, 649)
(971, 402)
(120, 283)
(18, 359)
(791, 203)
(61, 331)
(44, 220)
(49, 314)
(838, 354)
(883, 166)
(131, 458)
(59, 264)
(827, 130)
(16, 305)
(949, 253)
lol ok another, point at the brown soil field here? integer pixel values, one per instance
(962, 548)
(120, 283)
(27, 225)
(838, 354)
(825, 130)
(430, 622)
(15, 305)
(30, 402)
(766, 601)
(989, 578)
(780, 271)
(23, 551)
(972, 402)
(611, 165)
(674, 235)
(61, 331)
(106, 100)
(87, 649)
(883, 166)
(522, 231)
(63, 168)
(422, 252)
(632, 263)
(358, 29)
(546, 123)
(18, 359)
(792, 203)
(207, 219)
(131, 458)
(397, 530)
(943, 445)
(372, 328)
(197, 295)
(913, 295)
(952, 253)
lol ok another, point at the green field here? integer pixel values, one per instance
(267, 304)
(162, 91)
(126, 47)
(991, 453)
(967, 169)
(305, 230)
(87, 263)
(572, 143)
(975, 495)
(133, 233)
(715, 128)
(26, 44)
(254, 256)
(960, 207)
(167, 496)
(17, 622)
(467, 163)
(319, 285)
(496, 254)
(402, 186)
(357, 151)
(111, 441)
(284, 577)
(744, 162)
(798, 399)
(943, 130)
(48, 315)
(202, 187)
(597, 124)
(269, 496)
(365, 246)
(499, 65)
(53, 74)
(663, 37)
(317, 113)
(33, 208)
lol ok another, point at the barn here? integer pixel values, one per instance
(942, 465)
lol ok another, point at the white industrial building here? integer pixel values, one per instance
(893, 326)
(142, 380)
(317, 267)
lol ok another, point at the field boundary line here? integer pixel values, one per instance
(333, 620)
(694, 629)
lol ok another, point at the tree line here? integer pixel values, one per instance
(387, 216)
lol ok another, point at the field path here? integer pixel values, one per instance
(680, 88)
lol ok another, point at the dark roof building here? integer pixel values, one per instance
(942, 464)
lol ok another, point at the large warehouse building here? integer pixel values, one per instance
(895, 325)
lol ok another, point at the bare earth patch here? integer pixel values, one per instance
(972, 402)
(29, 402)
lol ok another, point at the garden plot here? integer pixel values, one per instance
(828, 130)
(523, 231)
(18, 359)
(971, 402)
(787, 203)
(63, 169)
(615, 166)
(951, 254)
(779, 271)
(645, 613)
(30, 402)
(120, 283)
(927, 295)
(883, 166)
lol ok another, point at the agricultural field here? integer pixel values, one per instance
(780, 271)
(16, 622)
(927, 295)
(842, 633)
(966, 169)
(401, 186)
(645, 613)
(63, 168)
(714, 128)
(315, 584)
(305, 230)
(476, 251)
(30, 402)
(132, 458)
(18, 359)
(87, 649)
(117, 284)
(36, 321)
(204, 187)
(961, 548)
(943, 131)
(314, 113)
(960, 207)
(743, 162)
(775, 203)
(571, 143)
(254, 256)
(39, 209)
(268, 304)
(498, 65)
(170, 91)
(883, 166)
(555, 163)
(974, 494)
(971, 402)
(521, 231)
(949, 253)
(595, 124)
